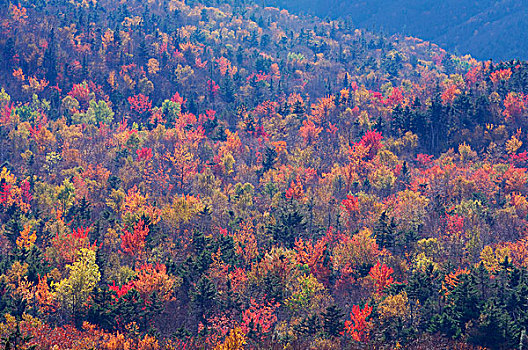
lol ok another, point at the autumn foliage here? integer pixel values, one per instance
(358, 327)
(182, 176)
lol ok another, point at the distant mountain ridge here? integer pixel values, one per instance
(483, 28)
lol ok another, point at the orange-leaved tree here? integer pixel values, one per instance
(382, 276)
(358, 327)
(133, 242)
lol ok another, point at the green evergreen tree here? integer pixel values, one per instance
(333, 321)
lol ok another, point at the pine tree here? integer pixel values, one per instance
(289, 224)
(333, 321)
(50, 59)
(204, 298)
(269, 160)
(385, 232)
(308, 326)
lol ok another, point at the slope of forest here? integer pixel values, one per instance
(488, 29)
(178, 176)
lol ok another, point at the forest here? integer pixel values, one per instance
(185, 176)
(486, 29)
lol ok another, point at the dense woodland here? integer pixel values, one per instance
(486, 29)
(177, 176)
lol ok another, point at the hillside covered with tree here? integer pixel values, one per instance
(488, 29)
(182, 176)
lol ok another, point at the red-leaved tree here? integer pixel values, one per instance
(133, 242)
(358, 327)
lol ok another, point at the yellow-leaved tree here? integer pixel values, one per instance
(234, 341)
(84, 275)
